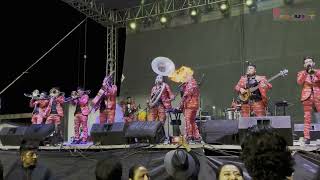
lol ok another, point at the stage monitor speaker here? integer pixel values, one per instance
(12, 136)
(314, 131)
(146, 132)
(36, 132)
(282, 124)
(109, 134)
(220, 131)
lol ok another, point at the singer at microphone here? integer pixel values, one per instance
(309, 79)
(310, 69)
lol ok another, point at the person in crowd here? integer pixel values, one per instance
(27, 166)
(266, 155)
(108, 170)
(182, 164)
(229, 171)
(138, 172)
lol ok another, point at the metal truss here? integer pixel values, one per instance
(160, 7)
(91, 10)
(106, 19)
(112, 51)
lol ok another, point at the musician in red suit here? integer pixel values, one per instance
(309, 79)
(158, 110)
(257, 103)
(190, 105)
(129, 108)
(39, 106)
(54, 111)
(108, 104)
(80, 100)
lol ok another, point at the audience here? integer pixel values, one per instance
(108, 169)
(182, 164)
(229, 171)
(138, 172)
(266, 155)
(27, 166)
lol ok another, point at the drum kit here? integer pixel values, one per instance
(233, 113)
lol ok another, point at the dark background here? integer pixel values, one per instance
(213, 48)
(31, 28)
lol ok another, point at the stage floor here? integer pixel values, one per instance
(314, 146)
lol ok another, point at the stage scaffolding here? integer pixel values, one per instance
(105, 18)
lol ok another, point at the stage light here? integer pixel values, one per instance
(163, 19)
(252, 5)
(224, 7)
(193, 12)
(133, 25)
(249, 2)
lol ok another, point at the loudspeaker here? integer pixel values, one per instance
(219, 131)
(36, 132)
(12, 136)
(146, 132)
(314, 131)
(282, 124)
(109, 134)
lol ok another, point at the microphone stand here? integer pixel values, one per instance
(26, 71)
(200, 109)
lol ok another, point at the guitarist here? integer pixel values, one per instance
(129, 109)
(309, 78)
(256, 105)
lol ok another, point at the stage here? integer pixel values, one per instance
(313, 147)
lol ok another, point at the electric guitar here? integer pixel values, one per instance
(248, 93)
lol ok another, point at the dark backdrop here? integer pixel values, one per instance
(213, 49)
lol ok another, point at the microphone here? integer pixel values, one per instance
(309, 66)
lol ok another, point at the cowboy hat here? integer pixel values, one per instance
(179, 164)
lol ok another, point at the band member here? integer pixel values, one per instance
(39, 105)
(108, 103)
(129, 109)
(189, 105)
(158, 110)
(54, 111)
(309, 78)
(257, 102)
(80, 100)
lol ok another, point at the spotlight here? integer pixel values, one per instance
(224, 7)
(252, 5)
(133, 25)
(249, 2)
(163, 19)
(193, 12)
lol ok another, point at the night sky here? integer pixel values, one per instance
(31, 28)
